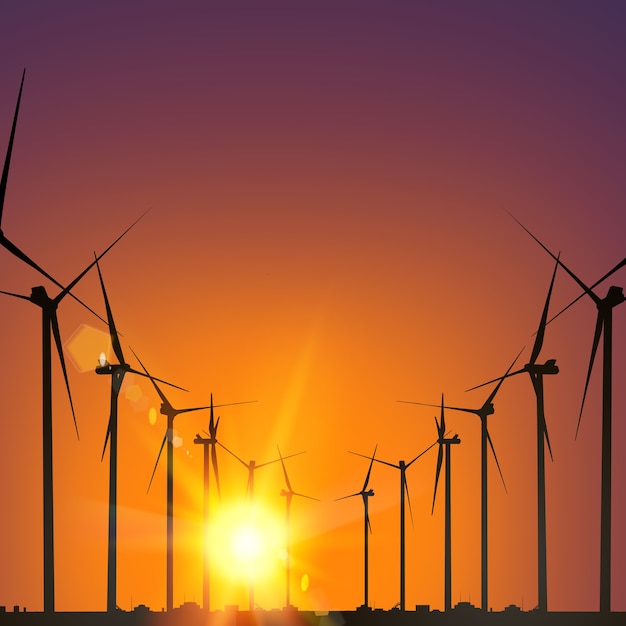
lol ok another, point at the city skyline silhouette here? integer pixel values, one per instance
(328, 189)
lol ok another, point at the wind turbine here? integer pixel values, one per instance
(483, 412)
(252, 466)
(604, 324)
(404, 489)
(537, 372)
(49, 329)
(365, 494)
(288, 494)
(446, 442)
(208, 442)
(117, 373)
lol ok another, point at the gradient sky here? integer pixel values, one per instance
(327, 235)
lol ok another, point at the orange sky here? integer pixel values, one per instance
(326, 236)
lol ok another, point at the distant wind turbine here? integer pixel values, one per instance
(444, 444)
(365, 494)
(288, 495)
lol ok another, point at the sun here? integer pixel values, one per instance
(245, 541)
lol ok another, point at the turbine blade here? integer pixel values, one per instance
(369, 471)
(432, 445)
(216, 472)
(495, 456)
(492, 395)
(600, 280)
(115, 342)
(367, 456)
(439, 462)
(408, 500)
(154, 469)
(157, 388)
(134, 371)
(544, 318)
(106, 438)
(13, 249)
(192, 409)
(217, 406)
(219, 443)
(580, 282)
(545, 433)
(303, 495)
(443, 419)
(54, 322)
(352, 495)
(451, 408)
(367, 515)
(493, 380)
(282, 462)
(594, 349)
(7, 160)
(15, 295)
(276, 460)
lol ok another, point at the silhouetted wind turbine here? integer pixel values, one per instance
(288, 494)
(537, 372)
(446, 442)
(404, 489)
(604, 324)
(50, 327)
(483, 412)
(252, 466)
(208, 442)
(365, 494)
(117, 373)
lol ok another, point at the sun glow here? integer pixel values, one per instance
(246, 541)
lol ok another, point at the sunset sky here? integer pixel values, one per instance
(328, 185)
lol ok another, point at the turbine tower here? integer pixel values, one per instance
(445, 443)
(117, 373)
(288, 495)
(604, 326)
(365, 494)
(483, 412)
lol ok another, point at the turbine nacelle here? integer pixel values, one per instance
(487, 409)
(614, 296)
(549, 367)
(112, 368)
(39, 296)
